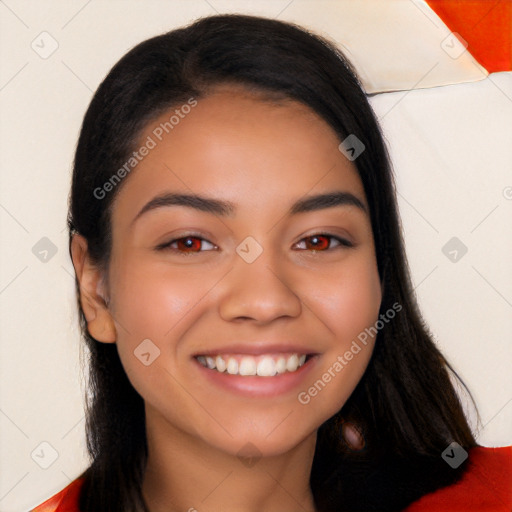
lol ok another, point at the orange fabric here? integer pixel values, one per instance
(485, 487)
(486, 25)
(64, 501)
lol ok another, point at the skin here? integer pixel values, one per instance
(263, 157)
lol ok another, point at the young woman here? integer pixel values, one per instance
(243, 290)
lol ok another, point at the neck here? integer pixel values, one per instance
(185, 474)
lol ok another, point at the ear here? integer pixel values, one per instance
(100, 322)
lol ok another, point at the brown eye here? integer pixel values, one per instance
(321, 242)
(190, 244)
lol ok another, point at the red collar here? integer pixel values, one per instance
(485, 486)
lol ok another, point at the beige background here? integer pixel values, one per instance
(451, 147)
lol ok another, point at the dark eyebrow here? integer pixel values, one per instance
(226, 208)
(204, 204)
(328, 200)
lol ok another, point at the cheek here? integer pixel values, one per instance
(352, 309)
(151, 304)
(350, 298)
(359, 301)
(151, 301)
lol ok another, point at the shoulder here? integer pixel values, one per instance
(64, 501)
(485, 486)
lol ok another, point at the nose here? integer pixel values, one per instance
(261, 291)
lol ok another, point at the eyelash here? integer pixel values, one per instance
(343, 243)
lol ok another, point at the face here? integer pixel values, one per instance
(256, 272)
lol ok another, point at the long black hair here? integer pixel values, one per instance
(405, 405)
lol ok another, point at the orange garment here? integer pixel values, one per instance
(486, 486)
(64, 501)
(485, 25)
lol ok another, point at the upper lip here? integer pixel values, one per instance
(256, 349)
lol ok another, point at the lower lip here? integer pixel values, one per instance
(259, 386)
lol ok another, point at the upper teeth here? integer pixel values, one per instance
(263, 366)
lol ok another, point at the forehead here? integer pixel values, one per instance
(240, 147)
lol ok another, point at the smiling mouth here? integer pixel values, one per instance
(265, 365)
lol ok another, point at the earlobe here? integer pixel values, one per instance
(100, 322)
